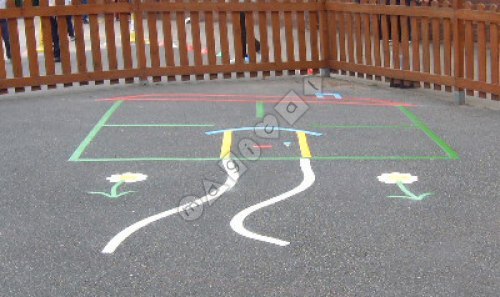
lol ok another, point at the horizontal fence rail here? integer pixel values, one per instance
(435, 45)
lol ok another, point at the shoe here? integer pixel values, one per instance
(73, 38)
(257, 46)
(57, 59)
(187, 21)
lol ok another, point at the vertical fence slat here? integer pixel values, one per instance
(447, 45)
(224, 41)
(62, 25)
(313, 29)
(374, 18)
(469, 51)
(210, 38)
(195, 33)
(332, 33)
(95, 43)
(367, 39)
(290, 54)
(15, 48)
(80, 44)
(415, 45)
(350, 41)
(140, 42)
(125, 38)
(251, 40)
(342, 41)
(48, 51)
(264, 44)
(3, 71)
(426, 49)
(301, 32)
(29, 29)
(275, 17)
(495, 55)
(181, 36)
(395, 38)
(109, 27)
(358, 41)
(405, 41)
(385, 42)
(436, 44)
(168, 40)
(481, 44)
(154, 48)
(326, 54)
(238, 40)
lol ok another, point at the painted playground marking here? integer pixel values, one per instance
(263, 128)
(231, 180)
(401, 179)
(119, 180)
(238, 220)
(230, 161)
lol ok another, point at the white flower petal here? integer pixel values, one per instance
(127, 177)
(397, 177)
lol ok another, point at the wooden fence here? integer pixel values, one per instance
(440, 46)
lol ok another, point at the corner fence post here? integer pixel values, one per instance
(458, 45)
(324, 41)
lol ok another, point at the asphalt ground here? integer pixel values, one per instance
(347, 238)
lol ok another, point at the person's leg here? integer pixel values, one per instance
(5, 36)
(85, 17)
(71, 28)
(55, 38)
(243, 33)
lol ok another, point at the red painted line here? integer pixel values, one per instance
(263, 146)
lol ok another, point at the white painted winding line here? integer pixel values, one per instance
(239, 218)
(231, 180)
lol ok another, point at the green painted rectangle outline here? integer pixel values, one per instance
(417, 122)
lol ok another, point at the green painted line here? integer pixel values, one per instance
(260, 109)
(364, 126)
(452, 154)
(145, 159)
(382, 158)
(159, 125)
(85, 143)
(317, 158)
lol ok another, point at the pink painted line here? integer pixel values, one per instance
(263, 146)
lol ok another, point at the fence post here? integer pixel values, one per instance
(458, 45)
(325, 40)
(140, 43)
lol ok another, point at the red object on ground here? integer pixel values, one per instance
(204, 51)
(190, 48)
(264, 146)
(310, 71)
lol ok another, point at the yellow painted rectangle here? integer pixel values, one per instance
(225, 150)
(304, 146)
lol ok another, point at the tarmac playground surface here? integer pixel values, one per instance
(248, 188)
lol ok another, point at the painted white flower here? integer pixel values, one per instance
(127, 177)
(397, 177)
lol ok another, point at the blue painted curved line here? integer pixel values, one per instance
(262, 128)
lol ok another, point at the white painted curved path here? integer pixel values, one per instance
(231, 180)
(238, 220)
